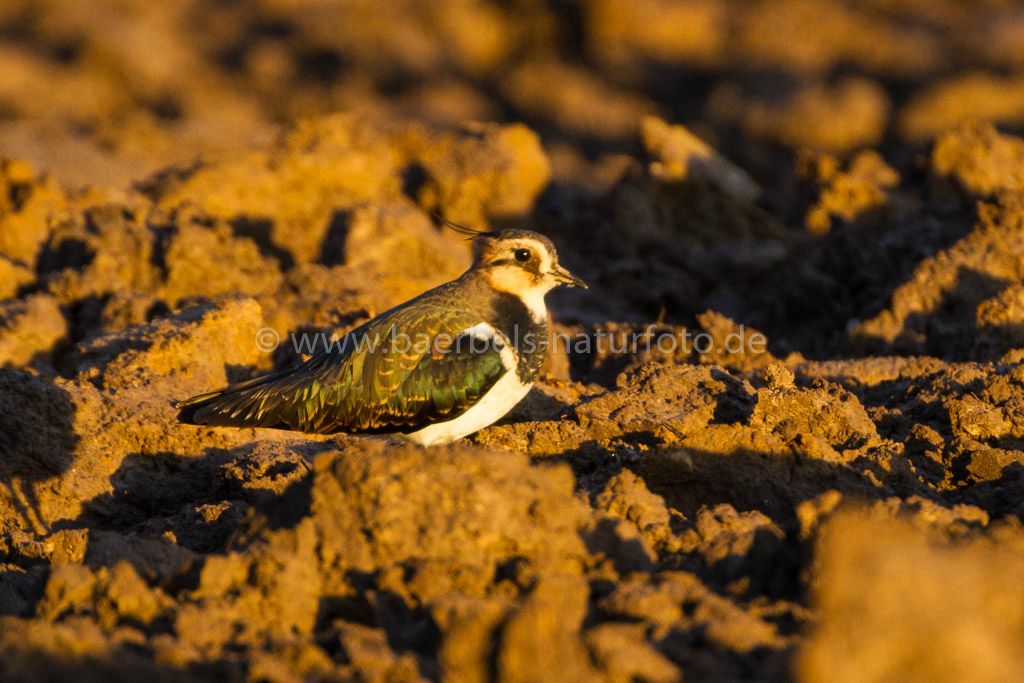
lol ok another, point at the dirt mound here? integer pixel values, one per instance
(945, 591)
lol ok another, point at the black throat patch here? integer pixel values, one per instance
(528, 337)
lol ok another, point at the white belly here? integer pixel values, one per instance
(492, 406)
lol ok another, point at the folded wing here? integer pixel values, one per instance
(378, 380)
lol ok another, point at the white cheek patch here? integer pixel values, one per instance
(511, 279)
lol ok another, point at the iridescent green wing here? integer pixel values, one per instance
(408, 368)
(421, 369)
(449, 379)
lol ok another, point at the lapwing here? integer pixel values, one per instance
(435, 369)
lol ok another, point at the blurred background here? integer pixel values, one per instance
(99, 91)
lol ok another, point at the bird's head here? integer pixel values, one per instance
(520, 262)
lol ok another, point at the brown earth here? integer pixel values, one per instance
(185, 184)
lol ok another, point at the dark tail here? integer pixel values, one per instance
(191, 410)
(236, 405)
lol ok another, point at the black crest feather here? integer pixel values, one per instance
(470, 233)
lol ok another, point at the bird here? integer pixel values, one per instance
(432, 370)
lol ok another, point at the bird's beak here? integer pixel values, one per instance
(564, 277)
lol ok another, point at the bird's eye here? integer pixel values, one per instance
(522, 255)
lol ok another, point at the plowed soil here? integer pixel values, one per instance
(782, 437)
